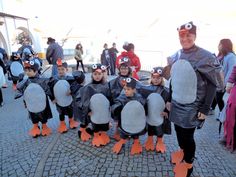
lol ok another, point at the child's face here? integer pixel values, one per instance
(129, 92)
(30, 72)
(156, 80)
(124, 70)
(61, 71)
(97, 76)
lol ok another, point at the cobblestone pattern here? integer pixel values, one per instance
(21, 155)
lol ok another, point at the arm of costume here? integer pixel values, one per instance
(208, 72)
(20, 87)
(3, 67)
(51, 82)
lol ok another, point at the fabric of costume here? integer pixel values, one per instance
(84, 96)
(43, 83)
(74, 88)
(194, 94)
(145, 91)
(16, 70)
(62, 108)
(117, 107)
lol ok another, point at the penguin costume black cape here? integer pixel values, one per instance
(158, 123)
(16, 69)
(35, 92)
(60, 89)
(129, 108)
(94, 105)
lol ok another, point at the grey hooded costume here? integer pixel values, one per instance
(193, 86)
(43, 83)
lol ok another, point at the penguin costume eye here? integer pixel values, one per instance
(31, 63)
(103, 67)
(128, 80)
(152, 71)
(159, 71)
(188, 26)
(94, 66)
(126, 59)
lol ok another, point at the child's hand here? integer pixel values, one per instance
(168, 106)
(54, 101)
(90, 114)
(68, 93)
(165, 115)
(201, 116)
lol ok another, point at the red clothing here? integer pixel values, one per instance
(134, 61)
(229, 125)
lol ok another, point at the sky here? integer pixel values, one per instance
(151, 24)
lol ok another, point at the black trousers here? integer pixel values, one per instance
(1, 97)
(218, 100)
(185, 137)
(82, 65)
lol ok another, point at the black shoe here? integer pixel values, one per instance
(222, 141)
(1, 104)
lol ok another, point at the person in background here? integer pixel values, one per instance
(25, 45)
(229, 124)
(227, 59)
(134, 59)
(2, 77)
(54, 52)
(113, 54)
(4, 54)
(105, 57)
(78, 56)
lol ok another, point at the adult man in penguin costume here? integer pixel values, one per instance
(158, 123)
(60, 88)
(93, 105)
(115, 85)
(16, 69)
(193, 87)
(35, 91)
(129, 107)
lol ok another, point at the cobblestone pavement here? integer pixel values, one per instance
(65, 155)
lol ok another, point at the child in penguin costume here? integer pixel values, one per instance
(35, 91)
(93, 103)
(129, 107)
(60, 88)
(16, 69)
(157, 120)
(134, 59)
(115, 85)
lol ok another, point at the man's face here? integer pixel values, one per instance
(187, 40)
